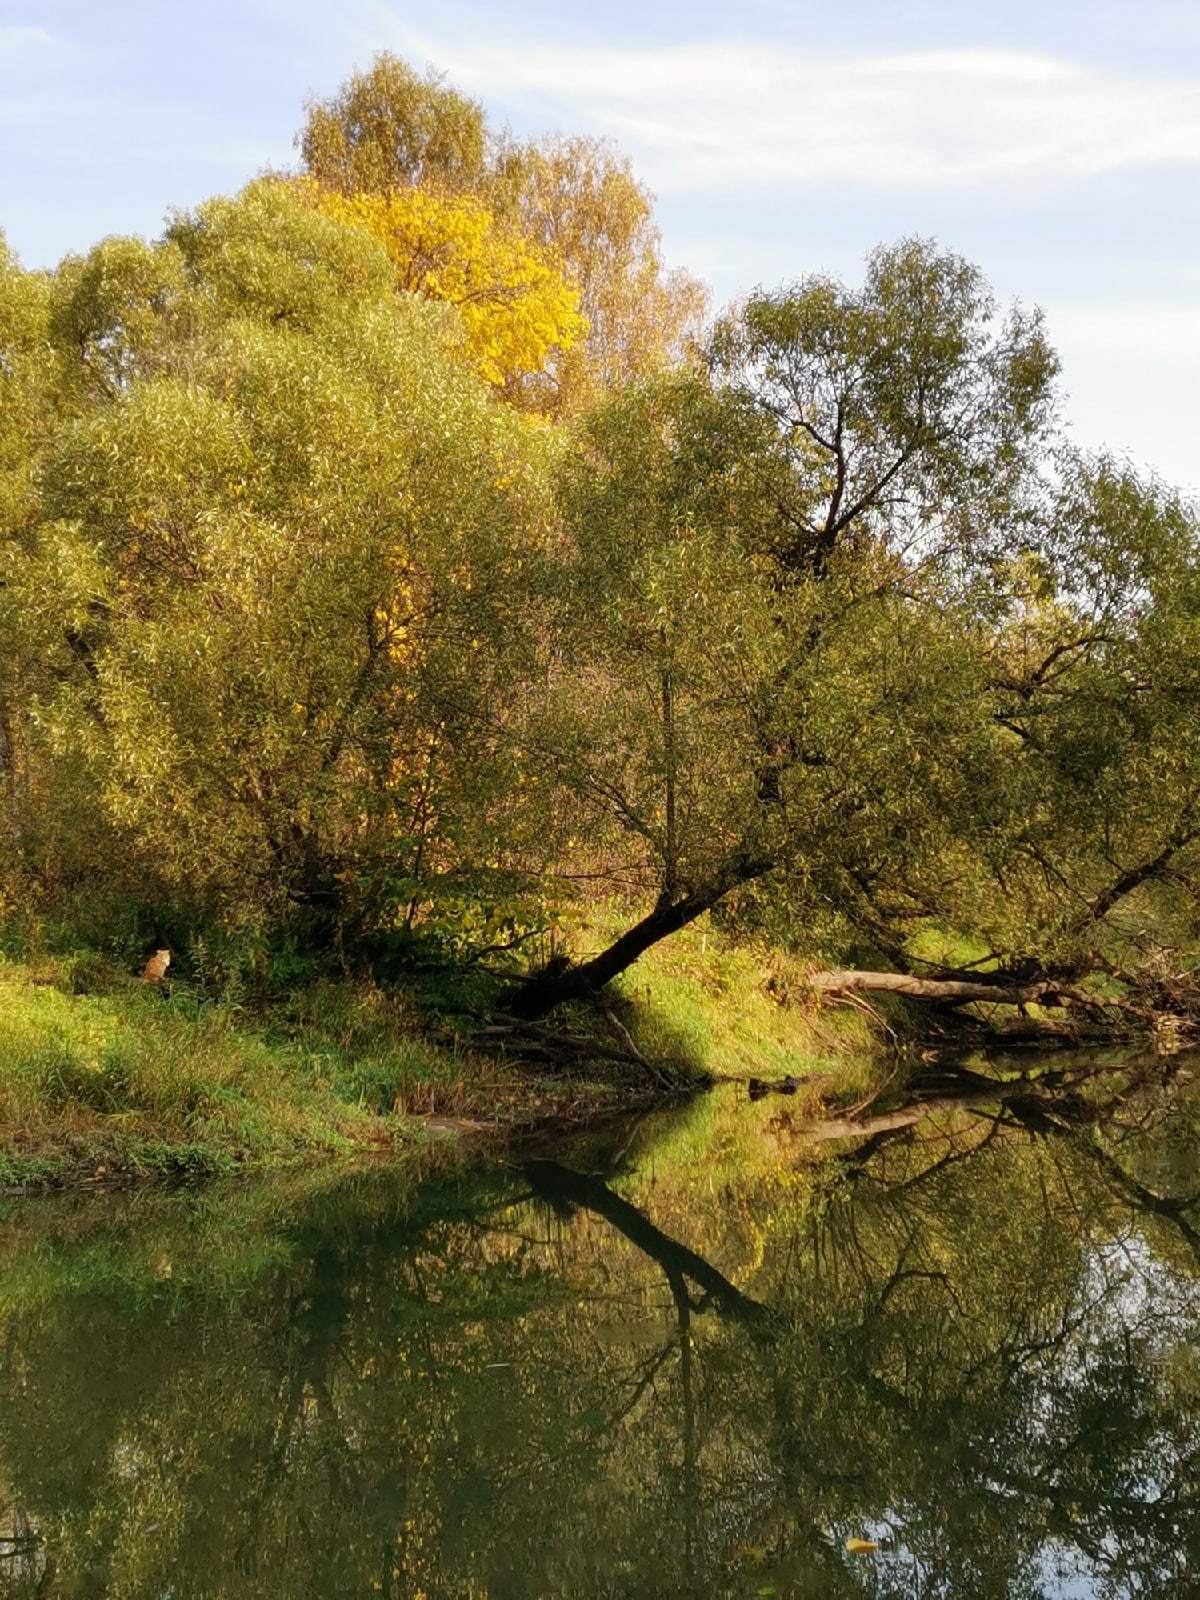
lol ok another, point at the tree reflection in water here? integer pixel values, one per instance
(694, 1368)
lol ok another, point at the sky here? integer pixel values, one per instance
(1056, 144)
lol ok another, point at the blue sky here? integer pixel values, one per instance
(1057, 144)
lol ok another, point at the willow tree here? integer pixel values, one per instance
(298, 513)
(851, 640)
(33, 647)
(1096, 686)
(1073, 844)
(782, 579)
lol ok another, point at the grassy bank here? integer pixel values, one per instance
(101, 1074)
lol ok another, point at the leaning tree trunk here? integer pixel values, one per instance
(552, 988)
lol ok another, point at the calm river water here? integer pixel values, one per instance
(708, 1355)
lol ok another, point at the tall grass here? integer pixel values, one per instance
(132, 1076)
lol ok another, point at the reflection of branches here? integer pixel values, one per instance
(950, 1159)
(645, 1381)
(542, 1464)
(1040, 1105)
(682, 1265)
(676, 1260)
(951, 1348)
(1092, 1491)
(1144, 1199)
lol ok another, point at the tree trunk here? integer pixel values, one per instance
(554, 987)
(957, 991)
(1157, 867)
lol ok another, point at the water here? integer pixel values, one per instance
(693, 1359)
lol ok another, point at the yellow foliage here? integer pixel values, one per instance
(517, 305)
(581, 196)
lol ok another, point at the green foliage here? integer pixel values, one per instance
(113, 312)
(26, 386)
(315, 650)
(293, 521)
(391, 126)
(908, 403)
(262, 255)
(786, 670)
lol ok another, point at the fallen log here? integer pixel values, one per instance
(959, 991)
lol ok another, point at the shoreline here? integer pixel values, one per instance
(106, 1081)
(102, 1076)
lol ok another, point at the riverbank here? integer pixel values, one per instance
(103, 1076)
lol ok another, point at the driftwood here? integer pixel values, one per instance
(1164, 1008)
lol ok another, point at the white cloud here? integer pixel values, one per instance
(722, 115)
(29, 56)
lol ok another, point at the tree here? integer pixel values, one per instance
(298, 514)
(1096, 685)
(31, 618)
(851, 640)
(26, 385)
(391, 127)
(1073, 846)
(578, 197)
(416, 151)
(783, 577)
(519, 311)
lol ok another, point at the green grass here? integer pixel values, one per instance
(734, 1010)
(127, 1078)
(102, 1075)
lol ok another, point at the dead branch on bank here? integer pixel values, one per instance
(1151, 1005)
(557, 1048)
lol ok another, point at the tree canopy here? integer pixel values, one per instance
(390, 127)
(389, 549)
(519, 309)
(412, 155)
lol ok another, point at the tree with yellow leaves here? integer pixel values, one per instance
(519, 310)
(412, 147)
(579, 197)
